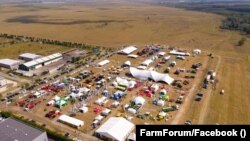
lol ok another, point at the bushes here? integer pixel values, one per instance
(52, 134)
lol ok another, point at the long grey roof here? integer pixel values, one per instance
(11, 130)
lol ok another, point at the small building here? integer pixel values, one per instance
(71, 121)
(102, 63)
(127, 50)
(3, 82)
(115, 129)
(14, 130)
(29, 56)
(9, 63)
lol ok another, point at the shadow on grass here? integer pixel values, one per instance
(38, 20)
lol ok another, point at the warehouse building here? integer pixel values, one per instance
(14, 130)
(9, 63)
(29, 56)
(40, 62)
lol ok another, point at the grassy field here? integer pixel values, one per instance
(14, 50)
(115, 25)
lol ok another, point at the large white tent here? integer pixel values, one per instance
(127, 50)
(145, 74)
(115, 128)
(71, 121)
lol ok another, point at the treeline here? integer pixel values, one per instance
(51, 42)
(240, 23)
(237, 15)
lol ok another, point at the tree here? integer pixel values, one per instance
(241, 41)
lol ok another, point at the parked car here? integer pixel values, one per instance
(198, 97)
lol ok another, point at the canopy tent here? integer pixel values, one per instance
(127, 64)
(139, 100)
(115, 128)
(122, 82)
(154, 87)
(161, 53)
(146, 74)
(146, 62)
(106, 112)
(166, 58)
(83, 109)
(127, 50)
(196, 51)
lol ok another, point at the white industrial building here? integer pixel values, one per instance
(71, 121)
(115, 129)
(40, 62)
(127, 50)
(9, 63)
(29, 56)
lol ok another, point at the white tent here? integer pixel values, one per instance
(115, 128)
(146, 62)
(122, 81)
(142, 67)
(115, 103)
(196, 51)
(127, 63)
(71, 121)
(139, 100)
(161, 53)
(166, 58)
(132, 111)
(127, 50)
(102, 63)
(160, 103)
(175, 52)
(154, 87)
(83, 109)
(106, 112)
(145, 74)
(99, 117)
(132, 56)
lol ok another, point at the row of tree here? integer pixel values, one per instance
(50, 41)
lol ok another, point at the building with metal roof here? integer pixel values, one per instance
(40, 62)
(14, 130)
(29, 56)
(9, 63)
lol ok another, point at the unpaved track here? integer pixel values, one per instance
(205, 106)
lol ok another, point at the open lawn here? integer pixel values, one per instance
(115, 25)
(14, 50)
